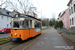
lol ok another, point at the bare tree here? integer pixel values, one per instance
(2, 2)
(20, 5)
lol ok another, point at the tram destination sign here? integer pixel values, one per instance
(16, 19)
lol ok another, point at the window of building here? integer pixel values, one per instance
(7, 25)
(8, 13)
(74, 7)
(72, 10)
(70, 21)
(2, 17)
(69, 12)
(7, 18)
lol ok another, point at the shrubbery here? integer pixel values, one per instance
(5, 39)
(58, 24)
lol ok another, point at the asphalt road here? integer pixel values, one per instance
(5, 35)
(51, 40)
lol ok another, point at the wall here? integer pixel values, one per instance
(4, 21)
(65, 19)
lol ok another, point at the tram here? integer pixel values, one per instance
(24, 27)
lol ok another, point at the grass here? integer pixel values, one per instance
(45, 28)
(60, 31)
(72, 36)
(0, 42)
(5, 39)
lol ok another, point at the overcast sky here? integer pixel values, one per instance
(50, 7)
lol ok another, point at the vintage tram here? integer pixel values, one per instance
(24, 27)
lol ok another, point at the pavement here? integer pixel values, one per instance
(51, 40)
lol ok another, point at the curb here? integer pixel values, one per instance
(69, 40)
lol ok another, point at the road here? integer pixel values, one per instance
(50, 39)
(5, 35)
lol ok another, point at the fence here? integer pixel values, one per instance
(69, 33)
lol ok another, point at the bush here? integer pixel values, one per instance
(58, 24)
(0, 39)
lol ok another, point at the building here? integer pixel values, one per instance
(5, 18)
(16, 12)
(64, 16)
(71, 6)
(31, 12)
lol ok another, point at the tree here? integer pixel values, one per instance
(19, 5)
(2, 2)
(45, 22)
(52, 22)
(59, 24)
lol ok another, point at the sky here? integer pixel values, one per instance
(51, 7)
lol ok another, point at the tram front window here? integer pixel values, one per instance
(20, 24)
(16, 24)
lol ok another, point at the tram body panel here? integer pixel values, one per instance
(25, 34)
(16, 33)
(31, 32)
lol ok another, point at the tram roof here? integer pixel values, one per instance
(26, 16)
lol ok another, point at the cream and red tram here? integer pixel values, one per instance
(24, 27)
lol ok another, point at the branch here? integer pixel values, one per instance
(3, 3)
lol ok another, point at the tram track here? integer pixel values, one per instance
(20, 45)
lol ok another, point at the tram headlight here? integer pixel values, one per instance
(15, 34)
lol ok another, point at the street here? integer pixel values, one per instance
(5, 35)
(50, 39)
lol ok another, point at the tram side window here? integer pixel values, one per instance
(30, 23)
(26, 23)
(21, 24)
(16, 24)
(37, 24)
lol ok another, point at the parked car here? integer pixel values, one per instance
(5, 30)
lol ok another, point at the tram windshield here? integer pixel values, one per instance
(20, 24)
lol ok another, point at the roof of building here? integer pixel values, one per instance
(18, 12)
(62, 13)
(69, 2)
(3, 11)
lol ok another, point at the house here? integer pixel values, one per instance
(71, 6)
(31, 12)
(64, 16)
(5, 18)
(16, 12)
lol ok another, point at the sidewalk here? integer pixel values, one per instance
(51, 40)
